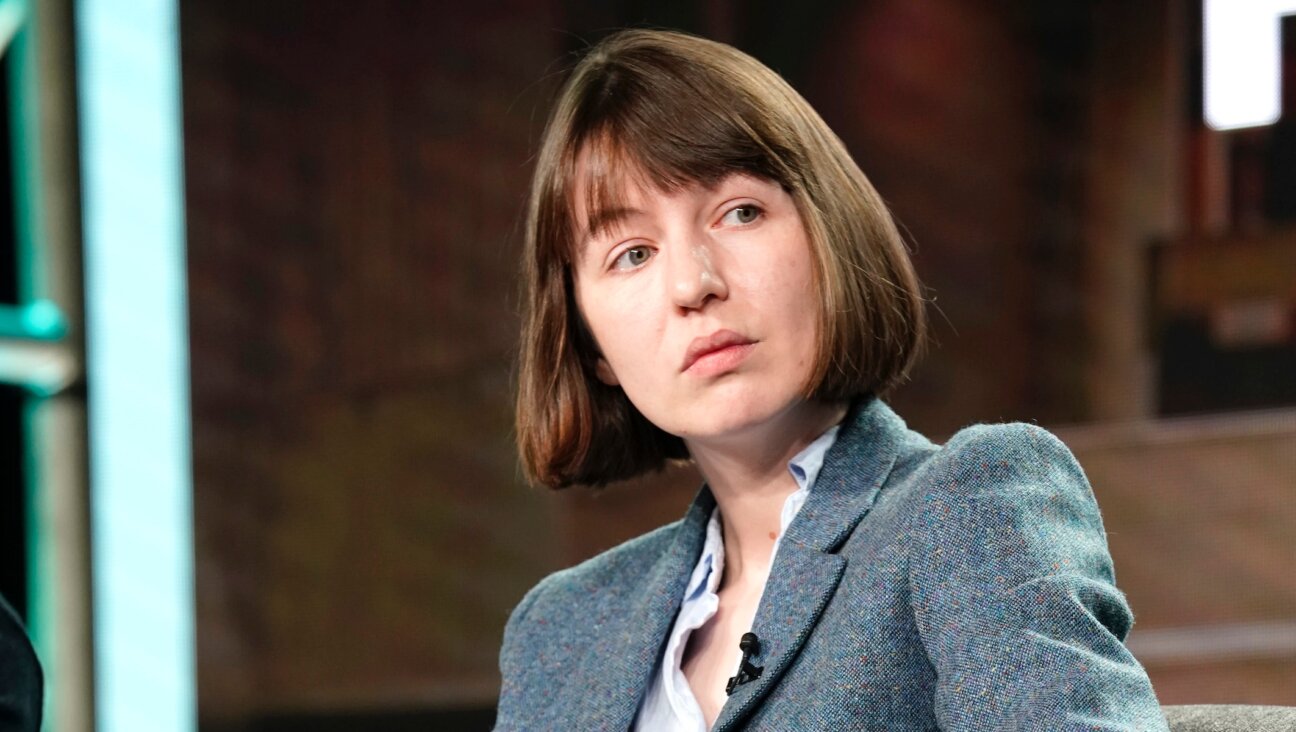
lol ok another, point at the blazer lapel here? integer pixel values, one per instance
(804, 580)
(612, 688)
(807, 570)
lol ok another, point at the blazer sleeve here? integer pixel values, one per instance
(21, 685)
(1014, 593)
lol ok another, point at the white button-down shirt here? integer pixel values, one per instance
(669, 704)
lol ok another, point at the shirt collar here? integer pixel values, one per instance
(805, 465)
(710, 567)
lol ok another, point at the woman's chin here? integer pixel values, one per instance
(733, 419)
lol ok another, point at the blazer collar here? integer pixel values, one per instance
(802, 580)
(806, 569)
(853, 472)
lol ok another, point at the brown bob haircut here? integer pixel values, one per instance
(675, 110)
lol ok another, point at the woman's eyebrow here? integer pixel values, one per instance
(603, 221)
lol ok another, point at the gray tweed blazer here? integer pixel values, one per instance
(958, 587)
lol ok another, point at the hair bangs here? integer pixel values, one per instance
(650, 131)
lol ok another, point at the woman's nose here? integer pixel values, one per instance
(695, 278)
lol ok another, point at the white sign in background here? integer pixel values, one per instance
(1243, 61)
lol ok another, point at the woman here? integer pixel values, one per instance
(710, 277)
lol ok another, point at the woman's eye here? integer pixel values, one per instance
(740, 215)
(631, 258)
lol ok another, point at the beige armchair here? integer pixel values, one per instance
(1230, 718)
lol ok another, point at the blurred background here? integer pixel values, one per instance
(258, 293)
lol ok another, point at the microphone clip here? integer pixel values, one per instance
(747, 671)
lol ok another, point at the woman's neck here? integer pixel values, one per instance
(749, 478)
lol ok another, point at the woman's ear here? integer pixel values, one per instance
(604, 372)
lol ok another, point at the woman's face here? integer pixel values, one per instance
(702, 303)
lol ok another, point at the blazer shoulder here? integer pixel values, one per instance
(1004, 454)
(544, 637)
(1015, 499)
(567, 591)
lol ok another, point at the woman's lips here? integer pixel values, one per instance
(721, 360)
(716, 353)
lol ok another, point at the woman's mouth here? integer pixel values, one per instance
(717, 353)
